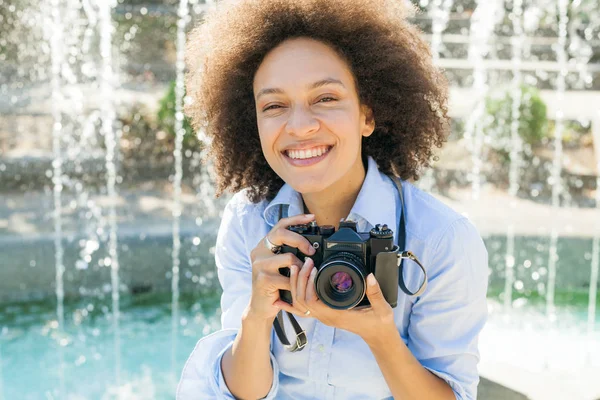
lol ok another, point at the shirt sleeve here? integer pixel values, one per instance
(221, 386)
(234, 271)
(446, 320)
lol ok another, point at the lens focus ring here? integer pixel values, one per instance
(340, 281)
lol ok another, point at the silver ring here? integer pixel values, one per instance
(274, 249)
(307, 312)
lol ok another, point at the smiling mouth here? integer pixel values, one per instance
(304, 154)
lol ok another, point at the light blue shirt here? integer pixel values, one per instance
(440, 327)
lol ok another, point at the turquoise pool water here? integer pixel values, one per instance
(93, 359)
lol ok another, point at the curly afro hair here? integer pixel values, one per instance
(390, 61)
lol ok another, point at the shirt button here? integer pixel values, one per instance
(321, 348)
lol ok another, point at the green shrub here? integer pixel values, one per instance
(533, 121)
(166, 119)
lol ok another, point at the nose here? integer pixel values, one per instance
(301, 122)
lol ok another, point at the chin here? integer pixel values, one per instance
(309, 185)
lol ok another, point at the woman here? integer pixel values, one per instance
(312, 105)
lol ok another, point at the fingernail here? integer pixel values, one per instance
(371, 281)
(306, 260)
(313, 272)
(311, 216)
(293, 269)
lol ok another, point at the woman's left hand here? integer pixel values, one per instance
(367, 322)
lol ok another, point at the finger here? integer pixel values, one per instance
(374, 293)
(293, 284)
(275, 262)
(282, 305)
(294, 220)
(282, 236)
(303, 277)
(311, 293)
(296, 284)
(274, 282)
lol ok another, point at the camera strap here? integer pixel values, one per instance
(402, 236)
(301, 339)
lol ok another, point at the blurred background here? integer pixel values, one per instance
(108, 217)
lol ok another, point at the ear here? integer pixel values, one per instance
(369, 121)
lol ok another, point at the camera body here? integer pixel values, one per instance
(344, 258)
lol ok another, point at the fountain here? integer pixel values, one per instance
(108, 218)
(515, 148)
(57, 60)
(439, 19)
(482, 24)
(182, 13)
(557, 163)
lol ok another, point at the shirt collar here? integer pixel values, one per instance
(289, 199)
(375, 201)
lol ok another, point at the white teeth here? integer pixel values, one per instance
(303, 154)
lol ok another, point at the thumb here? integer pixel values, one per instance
(374, 293)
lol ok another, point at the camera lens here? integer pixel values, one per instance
(341, 282)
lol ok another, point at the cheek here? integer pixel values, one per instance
(269, 129)
(344, 123)
(267, 140)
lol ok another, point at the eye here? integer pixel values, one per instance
(271, 107)
(330, 99)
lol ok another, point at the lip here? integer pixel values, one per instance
(306, 162)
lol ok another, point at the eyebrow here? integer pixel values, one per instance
(317, 84)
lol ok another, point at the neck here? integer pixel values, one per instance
(335, 202)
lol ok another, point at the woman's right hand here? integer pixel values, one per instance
(266, 279)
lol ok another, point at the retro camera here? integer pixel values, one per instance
(344, 258)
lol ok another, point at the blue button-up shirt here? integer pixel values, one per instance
(440, 327)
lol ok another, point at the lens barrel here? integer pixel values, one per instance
(340, 281)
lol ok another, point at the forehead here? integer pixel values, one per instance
(299, 62)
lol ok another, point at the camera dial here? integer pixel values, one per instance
(381, 232)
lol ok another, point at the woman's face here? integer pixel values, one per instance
(309, 118)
